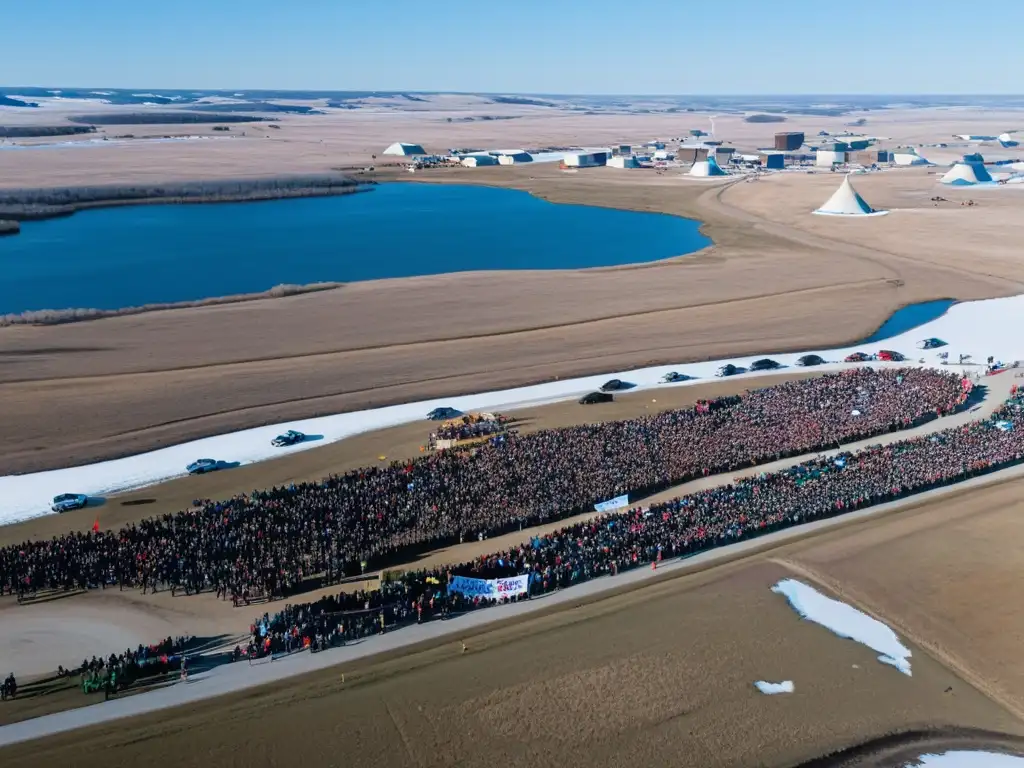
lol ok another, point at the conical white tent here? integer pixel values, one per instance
(846, 202)
(706, 168)
(967, 174)
(404, 150)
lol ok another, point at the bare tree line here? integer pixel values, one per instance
(29, 131)
(39, 203)
(164, 118)
(61, 316)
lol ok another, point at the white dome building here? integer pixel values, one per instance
(707, 168)
(846, 202)
(967, 174)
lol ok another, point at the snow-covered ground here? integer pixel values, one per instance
(846, 621)
(772, 689)
(967, 759)
(979, 328)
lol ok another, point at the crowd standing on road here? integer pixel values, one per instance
(272, 542)
(638, 537)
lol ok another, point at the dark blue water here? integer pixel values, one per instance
(910, 317)
(129, 256)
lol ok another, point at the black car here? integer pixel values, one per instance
(764, 364)
(443, 414)
(727, 370)
(674, 376)
(811, 360)
(291, 437)
(596, 397)
(614, 385)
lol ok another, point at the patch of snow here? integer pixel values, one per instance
(771, 689)
(846, 621)
(967, 759)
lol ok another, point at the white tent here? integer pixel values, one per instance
(908, 156)
(404, 150)
(968, 173)
(846, 202)
(707, 168)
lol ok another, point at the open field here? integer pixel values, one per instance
(944, 575)
(96, 390)
(776, 279)
(663, 675)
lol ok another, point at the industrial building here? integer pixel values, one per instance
(873, 156)
(846, 202)
(787, 141)
(826, 158)
(623, 161)
(402, 149)
(692, 153)
(476, 161)
(724, 155)
(586, 159)
(772, 159)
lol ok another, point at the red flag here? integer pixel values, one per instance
(96, 526)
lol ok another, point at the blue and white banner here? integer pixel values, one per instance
(491, 588)
(619, 502)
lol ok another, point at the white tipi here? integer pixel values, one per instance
(707, 168)
(967, 173)
(846, 202)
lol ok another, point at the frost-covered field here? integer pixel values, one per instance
(981, 329)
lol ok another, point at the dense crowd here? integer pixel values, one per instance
(272, 541)
(616, 542)
(468, 427)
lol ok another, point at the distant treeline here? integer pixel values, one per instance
(258, 106)
(521, 100)
(764, 119)
(166, 118)
(24, 204)
(61, 316)
(7, 101)
(29, 131)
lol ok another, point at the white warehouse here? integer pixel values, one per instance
(623, 161)
(586, 159)
(827, 158)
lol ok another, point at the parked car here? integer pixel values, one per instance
(727, 370)
(614, 385)
(596, 397)
(857, 357)
(291, 437)
(931, 343)
(201, 466)
(673, 376)
(764, 364)
(889, 355)
(810, 360)
(443, 414)
(69, 501)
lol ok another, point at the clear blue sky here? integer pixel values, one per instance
(539, 46)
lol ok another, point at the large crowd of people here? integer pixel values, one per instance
(271, 542)
(637, 537)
